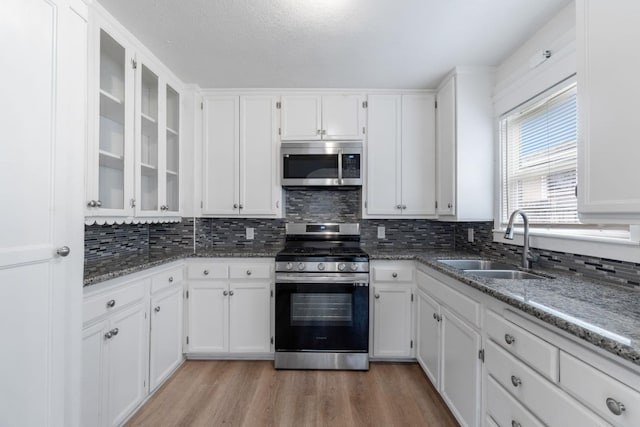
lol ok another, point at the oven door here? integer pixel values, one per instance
(322, 313)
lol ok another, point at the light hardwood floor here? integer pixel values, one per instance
(253, 393)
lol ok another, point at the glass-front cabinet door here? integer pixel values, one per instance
(172, 199)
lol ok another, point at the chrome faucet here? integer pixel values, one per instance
(527, 255)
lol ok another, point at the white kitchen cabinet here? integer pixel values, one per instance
(240, 156)
(401, 156)
(229, 307)
(328, 117)
(165, 349)
(133, 128)
(428, 336)
(464, 146)
(392, 309)
(608, 146)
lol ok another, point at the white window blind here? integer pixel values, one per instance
(539, 160)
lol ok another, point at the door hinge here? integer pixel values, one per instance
(201, 204)
(481, 355)
(272, 293)
(132, 203)
(363, 130)
(279, 131)
(145, 314)
(278, 105)
(202, 105)
(575, 190)
(365, 104)
(436, 204)
(144, 383)
(411, 345)
(436, 104)
(271, 340)
(365, 204)
(411, 296)
(187, 294)
(134, 64)
(187, 339)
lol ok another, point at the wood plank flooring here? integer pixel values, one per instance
(253, 393)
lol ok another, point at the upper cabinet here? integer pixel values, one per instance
(465, 153)
(609, 101)
(133, 129)
(401, 156)
(240, 156)
(327, 117)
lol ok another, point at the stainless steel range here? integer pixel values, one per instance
(322, 299)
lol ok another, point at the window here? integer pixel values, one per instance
(539, 159)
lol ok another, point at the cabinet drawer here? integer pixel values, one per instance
(464, 306)
(535, 352)
(545, 400)
(203, 270)
(390, 274)
(165, 279)
(96, 306)
(250, 271)
(505, 409)
(593, 387)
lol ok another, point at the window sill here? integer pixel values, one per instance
(617, 248)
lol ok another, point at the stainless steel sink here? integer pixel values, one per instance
(504, 274)
(476, 264)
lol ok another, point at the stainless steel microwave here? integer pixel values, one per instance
(321, 163)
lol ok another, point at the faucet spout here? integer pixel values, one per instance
(526, 253)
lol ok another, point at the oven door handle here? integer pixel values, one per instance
(362, 281)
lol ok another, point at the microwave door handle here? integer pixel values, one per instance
(340, 166)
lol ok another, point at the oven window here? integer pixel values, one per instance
(328, 309)
(308, 166)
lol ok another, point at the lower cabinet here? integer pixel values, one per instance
(229, 307)
(165, 349)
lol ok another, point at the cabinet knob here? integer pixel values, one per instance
(230, 293)
(108, 335)
(450, 205)
(398, 206)
(394, 274)
(98, 203)
(439, 318)
(377, 296)
(111, 303)
(235, 206)
(92, 203)
(115, 331)
(205, 272)
(318, 132)
(248, 272)
(170, 279)
(404, 206)
(225, 293)
(516, 381)
(157, 309)
(616, 408)
(514, 423)
(509, 339)
(63, 251)
(241, 206)
(435, 316)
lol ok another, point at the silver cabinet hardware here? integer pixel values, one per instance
(616, 408)
(157, 309)
(323, 132)
(132, 203)
(206, 272)
(115, 331)
(92, 203)
(235, 206)
(514, 423)
(111, 303)
(509, 339)
(394, 274)
(241, 206)
(230, 293)
(164, 208)
(319, 132)
(516, 381)
(435, 316)
(99, 203)
(108, 335)
(170, 279)
(225, 293)
(377, 296)
(449, 205)
(398, 206)
(439, 318)
(248, 272)
(404, 206)
(63, 251)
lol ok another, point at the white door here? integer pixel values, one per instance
(93, 374)
(221, 155)
(342, 117)
(128, 358)
(383, 155)
(258, 155)
(418, 155)
(428, 337)
(446, 147)
(460, 380)
(392, 321)
(43, 45)
(301, 117)
(249, 314)
(166, 335)
(208, 317)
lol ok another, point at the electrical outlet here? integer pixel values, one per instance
(381, 232)
(250, 233)
(470, 235)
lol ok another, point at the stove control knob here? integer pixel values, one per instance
(354, 266)
(341, 266)
(289, 266)
(321, 266)
(301, 266)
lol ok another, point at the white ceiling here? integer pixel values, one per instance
(329, 43)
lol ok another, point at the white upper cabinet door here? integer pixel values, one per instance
(446, 148)
(342, 117)
(172, 150)
(249, 314)
(428, 353)
(609, 101)
(208, 317)
(384, 155)
(166, 335)
(392, 320)
(301, 117)
(418, 155)
(43, 86)
(259, 193)
(221, 155)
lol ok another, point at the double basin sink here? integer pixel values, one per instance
(489, 269)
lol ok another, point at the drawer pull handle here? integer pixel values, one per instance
(248, 272)
(157, 309)
(394, 275)
(616, 408)
(170, 279)
(516, 381)
(206, 272)
(111, 303)
(509, 339)
(514, 423)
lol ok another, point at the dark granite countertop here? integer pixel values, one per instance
(603, 314)
(600, 313)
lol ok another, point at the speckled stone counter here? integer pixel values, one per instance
(603, 314)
